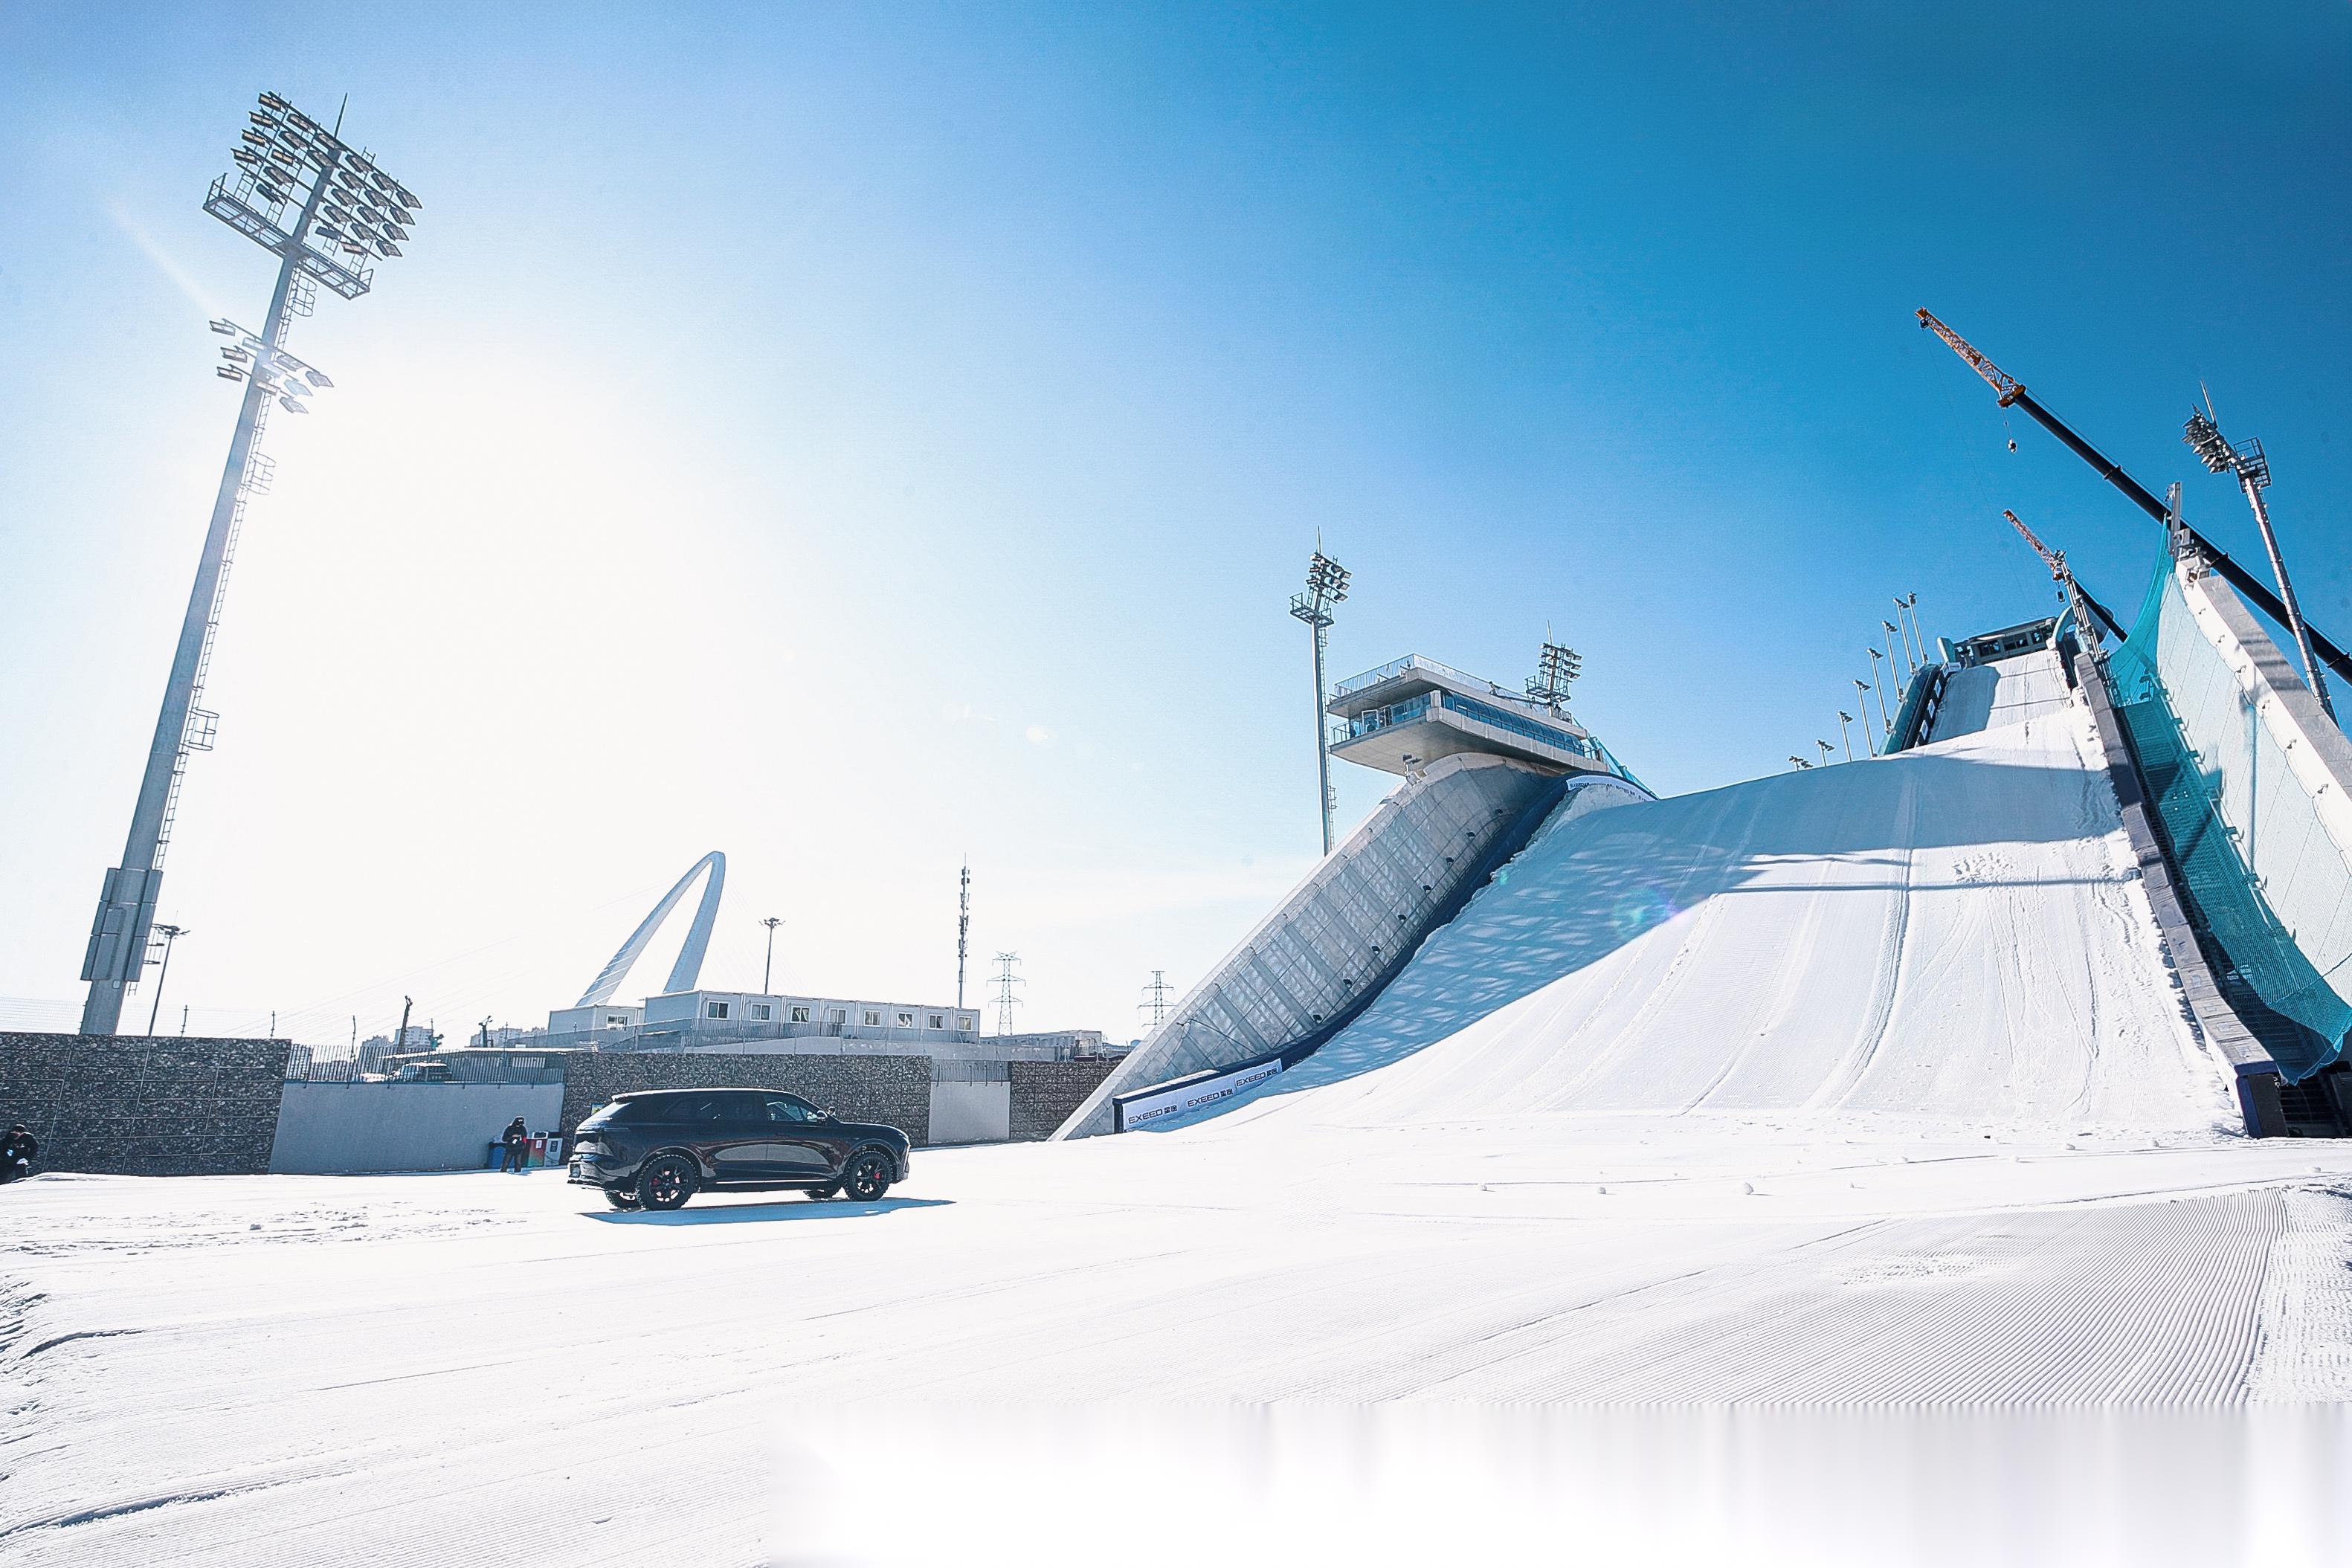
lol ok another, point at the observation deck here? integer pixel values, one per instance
(1412, 711)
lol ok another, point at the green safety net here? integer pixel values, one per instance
(2261, 876)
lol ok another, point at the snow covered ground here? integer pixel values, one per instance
(1824, 1151)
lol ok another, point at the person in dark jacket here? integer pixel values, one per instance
(16, 1151)
(517, 1138)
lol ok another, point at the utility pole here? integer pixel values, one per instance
(2253, 472)
(768, 969)
(323, 208)
(1155, 998)
(1006, 980)
(170, 933)
(1326, 585)
(400, 1040)
(1845, 718)
(963, 926)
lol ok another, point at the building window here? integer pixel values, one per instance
(872, 1018)
(714, 1009)
(760, 1010)
(617, 1020)
(906, 1020)
(938, 1021)
(967, 1023)
(800, 1015)
(835, 1015)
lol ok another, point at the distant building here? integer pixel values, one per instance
(588, 1020)
(699, 1016)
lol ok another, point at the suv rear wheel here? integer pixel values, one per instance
(869, 1176)
(666, 1183)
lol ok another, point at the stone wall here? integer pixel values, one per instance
(893, 1090)
(134, 1105)
(1044, 1094)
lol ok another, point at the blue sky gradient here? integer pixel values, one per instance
(858, 437)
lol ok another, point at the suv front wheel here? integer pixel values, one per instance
(869, 1176)
(666, 1183)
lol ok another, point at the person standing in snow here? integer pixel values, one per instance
(16, 1151)
(517, 1139)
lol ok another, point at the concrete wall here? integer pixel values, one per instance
(132, 1105)
(971, 1113)
(1046, 1093)
(345, 1129)
(893, 1090)
(1348, 929)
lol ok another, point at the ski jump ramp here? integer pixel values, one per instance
(1954, 935)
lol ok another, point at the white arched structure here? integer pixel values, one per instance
(689, 968)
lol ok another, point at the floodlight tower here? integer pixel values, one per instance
(1326, 585)
(2254, 471)
(324, 210)
(1559, 666)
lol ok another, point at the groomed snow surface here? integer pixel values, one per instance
(1818, 1170)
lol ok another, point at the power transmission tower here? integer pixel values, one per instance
(964, 927)
(1005, 980)
(1326, 585)
(322, 207)
(1155, 998)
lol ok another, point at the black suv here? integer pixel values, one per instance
(659, 1148)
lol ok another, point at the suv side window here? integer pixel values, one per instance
(786, 1108)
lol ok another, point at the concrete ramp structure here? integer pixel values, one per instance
(1312, 963)
(1952, 935)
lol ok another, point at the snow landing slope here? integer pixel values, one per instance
(1954, 934)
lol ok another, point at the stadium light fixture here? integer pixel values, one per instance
(285, 165)
(2252, 470)
(1326, 585)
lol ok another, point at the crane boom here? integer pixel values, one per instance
(2061, 574)
(2012, 393)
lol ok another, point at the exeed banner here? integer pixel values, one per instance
(1154, 1103)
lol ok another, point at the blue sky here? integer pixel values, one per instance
(860, 437)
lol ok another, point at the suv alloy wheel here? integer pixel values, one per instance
(869, 1176)
(666, 1183)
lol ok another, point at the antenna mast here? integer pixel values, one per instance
(964, 927)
